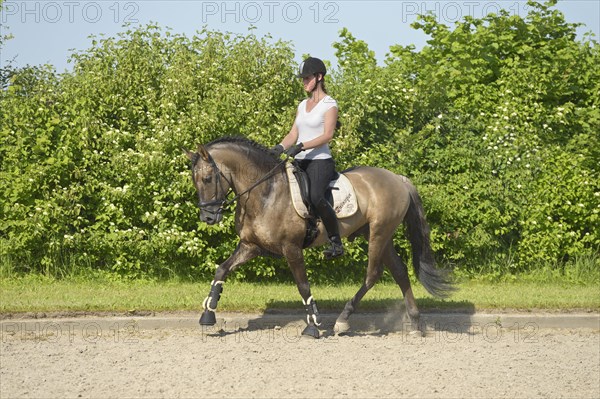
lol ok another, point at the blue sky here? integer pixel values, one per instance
(45, 31)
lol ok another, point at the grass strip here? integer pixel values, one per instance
(34, 294)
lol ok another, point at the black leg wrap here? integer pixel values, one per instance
(213, 297)
(208, 317)
(312, 318)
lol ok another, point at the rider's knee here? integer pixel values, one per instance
(319, 201)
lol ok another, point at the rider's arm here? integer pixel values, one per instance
(291, 138)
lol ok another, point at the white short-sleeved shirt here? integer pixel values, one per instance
(311, 125)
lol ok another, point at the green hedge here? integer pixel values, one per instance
(496, 120)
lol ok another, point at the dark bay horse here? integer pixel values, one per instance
(267, 223)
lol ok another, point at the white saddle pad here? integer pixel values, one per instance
(344, 198)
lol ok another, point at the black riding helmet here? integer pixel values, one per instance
(311, 66)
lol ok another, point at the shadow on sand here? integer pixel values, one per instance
(374, 317)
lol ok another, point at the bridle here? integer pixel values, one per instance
(223, 203)
(218, 187)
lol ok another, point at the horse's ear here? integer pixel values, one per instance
(189, 154)
(203, 153)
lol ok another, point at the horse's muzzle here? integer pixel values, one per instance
(211, 216)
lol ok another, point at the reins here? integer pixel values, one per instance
(226, 202)
(266, 177)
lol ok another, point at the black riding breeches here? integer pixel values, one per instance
(320, 173)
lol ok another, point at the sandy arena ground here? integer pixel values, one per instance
(121, 360)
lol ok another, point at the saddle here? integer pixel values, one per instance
(340, 194)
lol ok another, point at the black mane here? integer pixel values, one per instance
(259, 152)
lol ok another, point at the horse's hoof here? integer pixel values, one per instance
(311, 331)
(208, 318)
(341, 327)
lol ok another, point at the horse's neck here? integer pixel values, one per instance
(244, 174)
(270, 195)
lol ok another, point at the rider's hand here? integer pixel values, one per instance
(276, 150)
(294, 150)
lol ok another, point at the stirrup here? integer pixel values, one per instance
(334, 251)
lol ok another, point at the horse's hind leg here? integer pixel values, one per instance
(400, 273)
(374, 272)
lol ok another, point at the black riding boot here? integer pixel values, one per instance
(336, 248)
(330, 222)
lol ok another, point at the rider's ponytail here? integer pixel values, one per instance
(338, 124)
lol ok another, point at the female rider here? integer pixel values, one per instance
(308, 141)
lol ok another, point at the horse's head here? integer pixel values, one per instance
(211, 185)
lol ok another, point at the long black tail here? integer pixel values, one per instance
(436, 281)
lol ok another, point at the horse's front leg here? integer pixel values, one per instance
(295, 259)
(242, 254)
